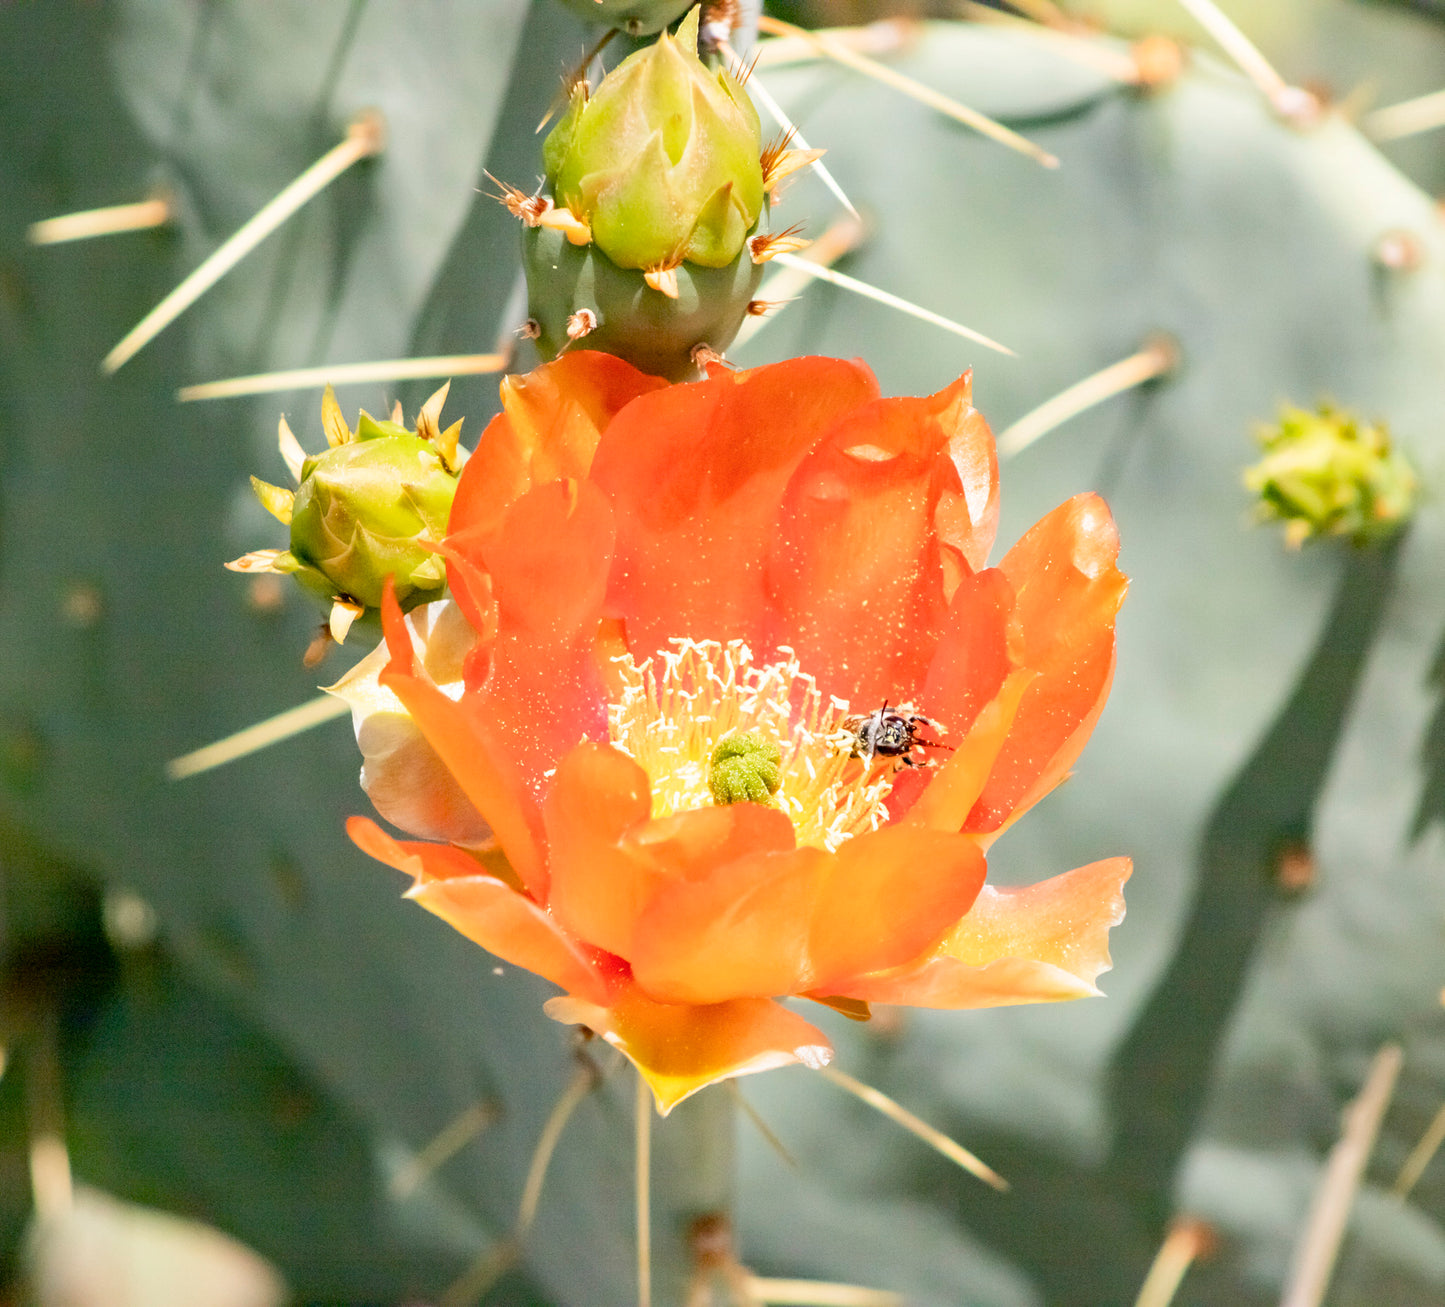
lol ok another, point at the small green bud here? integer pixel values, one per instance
(359, 510)
(745, 769)
(635, 17)
(663, 160)
(1327, 473)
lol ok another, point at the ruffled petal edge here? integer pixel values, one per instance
(680, 1049)
(1040, 943)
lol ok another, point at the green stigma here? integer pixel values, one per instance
(745, 769)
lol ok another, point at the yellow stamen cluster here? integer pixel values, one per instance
(673, 711)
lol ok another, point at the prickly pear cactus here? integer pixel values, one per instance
(133, 648)
(1272, 755)
(1283, 700)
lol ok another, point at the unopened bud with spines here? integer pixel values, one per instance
(1327, 473)
(658, 187)
(663, 160)
(362, 509)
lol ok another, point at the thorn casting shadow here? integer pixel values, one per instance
(1161, 1074)
(1431, 805)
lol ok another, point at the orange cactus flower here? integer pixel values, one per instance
(763, 557)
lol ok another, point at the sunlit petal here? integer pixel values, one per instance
(955, 783)
(743, 929)
(548, 564)
(610, 860)
(548, 430)
(860, 567)
(598, 886)
(468, 745)
(402, 775)
(696, 474)
(785, 922)
(1069, 591)
(681, 1049)
(1034, 944)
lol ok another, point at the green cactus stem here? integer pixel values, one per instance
(635, 17)
(362, 510)
(694, 1180)
(578, 292)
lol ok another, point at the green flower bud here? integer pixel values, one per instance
(361, 509)
(663, 160)
(1326, 473)
(635, 17)
(745, 769)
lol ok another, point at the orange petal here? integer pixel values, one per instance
(400, 772)
(548, 429)
(977, 649)
(696, 473)
(890, 894)
(548, 562)
(951, 789)
(979, 644)
(470, 586)
(1034, 944)
(871, 539)
(486, 910)
(597, 887)
(781, 923)
(970, 522)
(1069, 591)
(610, 860)
(742, 930)
(679, 1049)
(467, 742)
